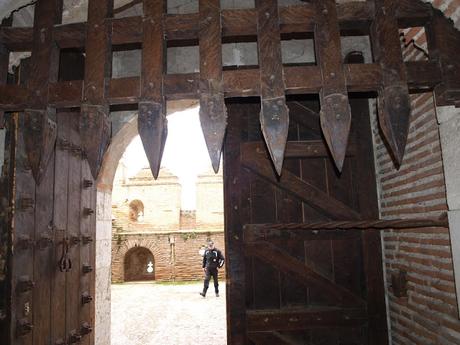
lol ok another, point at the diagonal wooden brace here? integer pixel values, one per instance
(301, 271)
(213, 113)
(95, 133)
(274, 115)
(40, 133)
(153, 130)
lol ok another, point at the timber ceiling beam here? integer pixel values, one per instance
(239, 22)
(237, 83)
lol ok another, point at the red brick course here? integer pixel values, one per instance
(175, 254)
(428, 315)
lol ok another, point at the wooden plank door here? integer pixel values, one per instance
(51, 305)
(301, 287)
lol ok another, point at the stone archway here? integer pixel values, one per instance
(138, 265)
(119, 142)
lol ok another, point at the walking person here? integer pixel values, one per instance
(212, 261)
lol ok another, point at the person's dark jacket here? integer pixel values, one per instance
(213, 258)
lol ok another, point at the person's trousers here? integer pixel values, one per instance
(211, 272)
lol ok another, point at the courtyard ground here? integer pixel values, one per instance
(167, 314)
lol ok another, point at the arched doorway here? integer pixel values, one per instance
(139, 265)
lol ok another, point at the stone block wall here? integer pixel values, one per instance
(210, 202)
(428, 315)
(187, 219)
(176, 255)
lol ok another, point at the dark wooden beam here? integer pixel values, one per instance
(299, 149)
(4, 64)
(213, 113)
(259, 232)
(17, 38)
(94, 122)
(40, 126)
(274, 114)
(259, 163)
(70, 35)
(443, 44)
(299, 18)
(303, 319)
(302, 272)
(238, 83)
(393, 98)
(270, 338)
(335, 114)
(411, 13)
(235, 208)
(380, 224)
(152, 122)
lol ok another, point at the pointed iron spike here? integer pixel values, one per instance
(153, 130)
(40, 135)
(394, 119)
(335, 119)
(95, 134)
(274, 121)
(213, 118)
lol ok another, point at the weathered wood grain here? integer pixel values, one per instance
(74, 216)
(235, 260)
(4, 62)
(307, 318)
(213, 113)
(41, 129)
(393, 98)
(307, 192)
(43, 261)
(368, 205)
(40, 138)
(422, 75)
(335, 114)
(22, 273)
(274, 114)
(302, 272)
(298, 149)
(61, 185)
(94, 124)
(152, 122)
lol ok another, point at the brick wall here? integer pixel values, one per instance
(176, 255)
(428, 315)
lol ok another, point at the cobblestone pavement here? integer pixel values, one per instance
(156, 314)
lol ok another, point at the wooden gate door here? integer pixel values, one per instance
(52, 259)
(291, 281)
